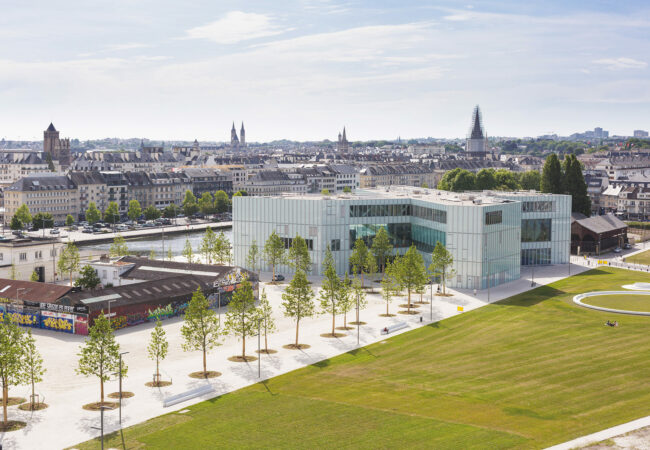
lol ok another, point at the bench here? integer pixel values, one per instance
(394, 327)
(187, 395)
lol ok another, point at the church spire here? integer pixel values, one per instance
(477, 131)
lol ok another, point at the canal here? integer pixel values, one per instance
(144, 245)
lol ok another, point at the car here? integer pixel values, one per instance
(142, 221)
(74, 228)
(627, 246)
(55, 231)
(278, 277)
(617, 250)
(87, 230)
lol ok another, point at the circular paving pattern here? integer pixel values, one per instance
(578, 300)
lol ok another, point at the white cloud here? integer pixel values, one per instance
(621, 63)
(236, 26)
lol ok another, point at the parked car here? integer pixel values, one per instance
(87, 230)
(142, 221)
(55, 231)
(278, 277)
(627, 246)
(617, 250)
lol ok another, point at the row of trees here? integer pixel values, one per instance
(20, 362)
(213, 247)
(566, 178)
(458, 180)
(207, 204)
(22, 218)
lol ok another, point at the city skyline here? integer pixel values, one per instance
(304, 71)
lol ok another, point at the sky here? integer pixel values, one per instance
(304, 69)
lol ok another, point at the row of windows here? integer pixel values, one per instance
(49, 194)
(535, 230)
(398, 233)
(493, 217)
(379, 210)
(538, 206)
(535, 256)
(288, 241)
(434, 215)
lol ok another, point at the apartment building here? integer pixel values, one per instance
(17, 164)
(91, 187)
(54, 194)
(29, 255)
(168, 188)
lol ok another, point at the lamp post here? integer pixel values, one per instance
(358, 320)
(259, 354)
(431, 301)
(101, 427)
(532, 278)
(18, 294)
(120, 374)
(109, 310)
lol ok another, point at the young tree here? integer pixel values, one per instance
(359, 300)
(88, 278)
(169, 254)
(152, 213)
(441, 262)
(206, 203)
(12, 360)
(329, 289)
(34, 276)
(222, 249)
(551, 181)
(221, 202)
(23, 214)
(274, 251)
(157, 348)
(33, 364)
(188, 253)
(266, 316)
(118, 247)
(135, 210)
(325, 192)
(411, 272)
(389, 286)
(298, 300)
(100, 354)
(208, 245)
(171, 211)
(298, 255)
(189, 204)
(344, 299)
(12, 273)
(152, 254)
(112, 213)
(359, 258)
(200, 328)
(16, 224)
(68, 260)
(381, 247)
(347, 189)
(69, 220)
(252, 259)
(92, 213)
(371, 267)
(241, 318)
(50, 163)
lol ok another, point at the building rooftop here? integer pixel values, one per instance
(32, 291)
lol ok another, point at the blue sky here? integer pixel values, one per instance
(303, 69)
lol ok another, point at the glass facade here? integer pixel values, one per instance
(379, 210)
(538, 206)
(398, 233)
(535, 256)
(425, 238)
(536, 230)
(493, 217)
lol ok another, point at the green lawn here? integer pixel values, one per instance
(628, 302)
(528, 372)
(639, 258)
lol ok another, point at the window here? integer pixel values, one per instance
(535, 256)
(536, 230)
(335, 245)
(493, 217)
(539, 206)
(23, 256)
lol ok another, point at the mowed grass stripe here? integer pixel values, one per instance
(528, 372)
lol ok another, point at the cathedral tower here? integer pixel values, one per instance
(234, 140)
(476, 144)
(242, 136)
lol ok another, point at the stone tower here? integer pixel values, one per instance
(234, 140)
(476, 144)
(58, 149)
(242, 136)
(342, 145)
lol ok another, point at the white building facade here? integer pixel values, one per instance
(490, 234)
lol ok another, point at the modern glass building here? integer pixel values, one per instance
(490, 234)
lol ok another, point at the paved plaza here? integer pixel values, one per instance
(65, 423)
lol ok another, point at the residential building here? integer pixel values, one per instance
(168, 188)
(490, 234)
(377, 175)
(91, 187)
(208, 180)
(29, 255)
(17, 164)
(140, 187)
(275, 182)
(640, 133)
(51, 193)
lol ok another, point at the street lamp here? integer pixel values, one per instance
(120, 375)
(259, 353)
(101, 427)
(358, 320)
(109, 310)
(431, 302)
